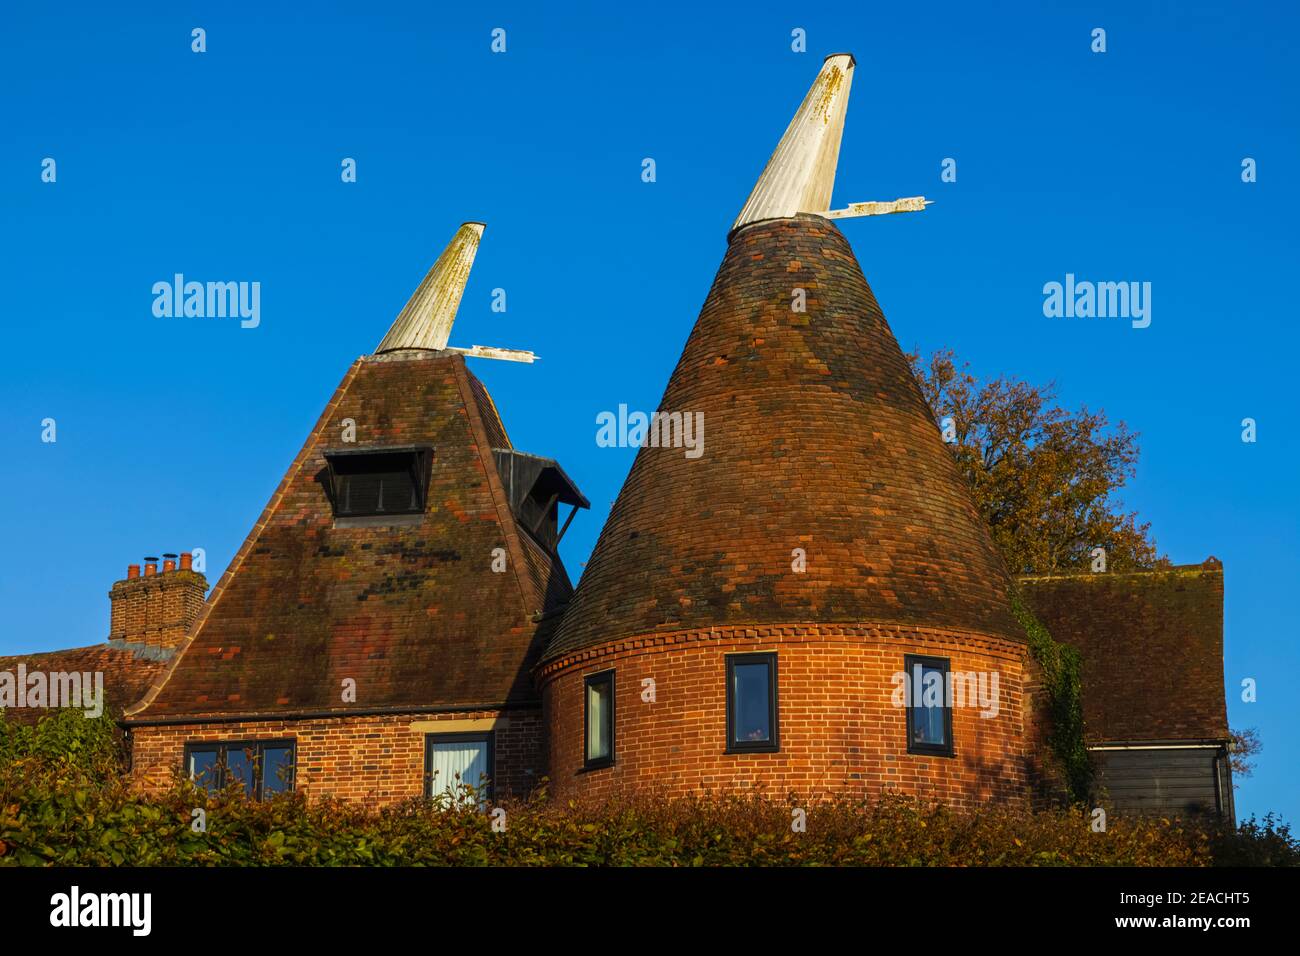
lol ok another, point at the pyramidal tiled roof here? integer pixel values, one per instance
(817, 440)
(411, 611)
(414, 614)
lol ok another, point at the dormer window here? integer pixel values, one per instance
(378, 482)
(537, 487)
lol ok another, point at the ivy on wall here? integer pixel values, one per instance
(1064, 689)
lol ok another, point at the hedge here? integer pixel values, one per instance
(64, 800)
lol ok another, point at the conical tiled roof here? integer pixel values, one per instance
(816, 437)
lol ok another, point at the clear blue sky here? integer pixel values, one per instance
(173, 433)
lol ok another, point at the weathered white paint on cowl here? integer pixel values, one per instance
(425, 321)
(491, 352)
(910, 204)
(801, 173)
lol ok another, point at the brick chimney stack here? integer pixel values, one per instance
(156, 609)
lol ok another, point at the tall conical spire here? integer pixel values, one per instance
(801, 173)
(425, 322)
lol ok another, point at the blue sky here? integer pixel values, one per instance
(225, 165)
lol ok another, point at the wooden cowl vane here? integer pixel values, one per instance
(800, 175)
(425, 321)
(817, 438)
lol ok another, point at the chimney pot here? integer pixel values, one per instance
(187, 561)
(150, 566)
(169, 565)
(132, 571)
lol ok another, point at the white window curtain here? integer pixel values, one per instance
(455, 762)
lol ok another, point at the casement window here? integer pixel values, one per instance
(598, 722)
(929, 716)
(262, 768)
(453, 762)
(377, 483)
(752, 711)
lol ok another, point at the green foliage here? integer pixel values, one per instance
(77, 808)
(108, 826)
(65, 738)
(1256, 844)
(1063, 683)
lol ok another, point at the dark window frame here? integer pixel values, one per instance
(588, 762)
(488, 736)
(772, 745)
(942, 664)
(419, 459)
(259, 746)
(218, 765)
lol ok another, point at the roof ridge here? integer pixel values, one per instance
(1211, 566)
(483, 448)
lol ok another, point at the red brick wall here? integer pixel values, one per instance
(839, 731)
(375, 760)
(1047, 776)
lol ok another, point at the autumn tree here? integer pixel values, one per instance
(1045, 479)
(1246, 745)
